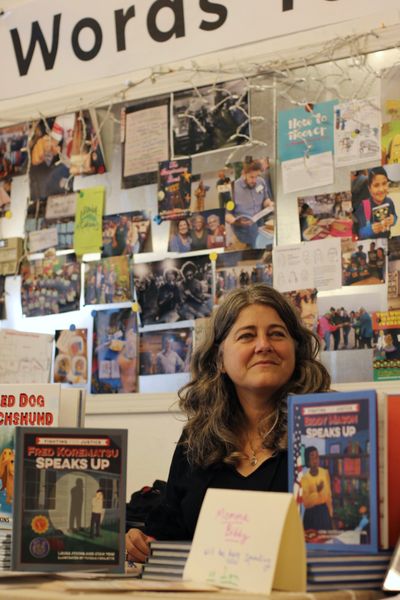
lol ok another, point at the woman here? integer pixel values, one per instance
(256, 353)
(376, 214)
(317, 495)
(199, 233)
(181, 241)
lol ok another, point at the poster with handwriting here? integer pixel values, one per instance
(88, 236)
(237, 546)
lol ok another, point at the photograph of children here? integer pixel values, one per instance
(199, 231)
(250, 222)
(376, 214)
(173, 289)
(240, 269)
(50, 285)
(70, 361)
(394, 273)
(57, 212)
(114, 358)
(60, 148)
(364, 263)
(5, 196)
(345, 321)
(174, 188)
(325, 215)
(165, 352)
(305, 301)
(13, 150)
(126, 234)
(107, 281)
(210, 117)
(386, 326)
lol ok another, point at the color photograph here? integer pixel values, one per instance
(364, 262)
(165, 352)
(107, 281)
(325, 215)
(56, 213)
(126, 234)
(13, 150)
(70, 359)
(199, 231)
(240, 269)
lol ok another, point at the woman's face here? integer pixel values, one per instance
(379, 188)
(258, 353)
(183, 228)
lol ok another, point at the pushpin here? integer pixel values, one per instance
(213, 256)
(93, 313)
(135, 307)
(73, 327)
(230, 205)
(8, 214)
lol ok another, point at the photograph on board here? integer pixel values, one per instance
(240, 269)
(200, 231)
(250, 217)
(386, 326)
(210, 117)
(13, 150)
(394, 273)
(5, 196)
(107, 281)
(70, 360)
(305, 302)
(51, 222)
(50, 285)
(364, 261)
(114, 357)
(174, 289)
(174, 188)
(325, 215)
(165, 351)
(126, 233)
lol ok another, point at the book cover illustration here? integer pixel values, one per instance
(70, 499)
(386, 353)
(174, 188)
(25, 404)
(333, 468)
(70, 360)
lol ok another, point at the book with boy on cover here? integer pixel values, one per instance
(21, 404)
(333, 468)
(70, 499)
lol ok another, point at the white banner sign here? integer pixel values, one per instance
(46, 44)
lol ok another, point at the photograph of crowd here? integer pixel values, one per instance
(364, 263)
(61, 147)
(13, 150)
(345, 321)
(394, 273)
(165, 352)
(200, 231)
(115, 347)
(325, 215)
(107, 281)
(250, 220)
(50, 285)
(173, 289)
(376, 202)
(305, 301)
(240, 269)
(174, 188)
(210, 117)
(70, 361)
(126, 234)
(54, 212)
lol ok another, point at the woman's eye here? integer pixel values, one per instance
(277, 334)
(245, 336)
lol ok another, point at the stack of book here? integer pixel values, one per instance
(5, 549)
(166, 560)
(328, 571)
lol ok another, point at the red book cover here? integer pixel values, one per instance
(393, 428)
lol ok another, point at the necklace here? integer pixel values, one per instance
(252, 458)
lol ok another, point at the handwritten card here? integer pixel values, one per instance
(249, 541)
(88, 235)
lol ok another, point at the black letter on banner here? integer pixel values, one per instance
(98, 34)
(49, 58)
(287, 5)
(179, 27)
(121, 20)
(216, 9)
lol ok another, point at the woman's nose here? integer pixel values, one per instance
(263, 343)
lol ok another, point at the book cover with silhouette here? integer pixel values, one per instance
(333, 468)
(70, 499)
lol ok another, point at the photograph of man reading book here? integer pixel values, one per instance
(235, 436)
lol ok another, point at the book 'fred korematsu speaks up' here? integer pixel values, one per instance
(333, 468)
(69, 509)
